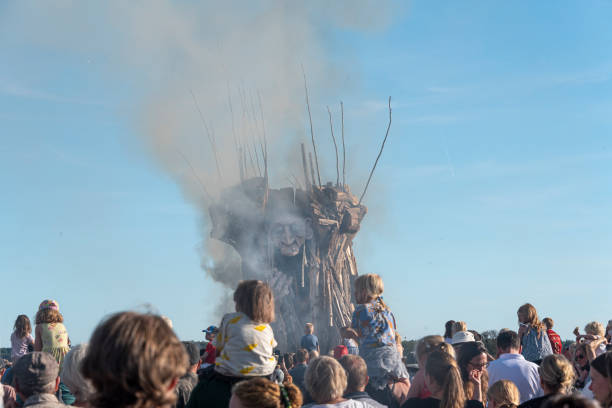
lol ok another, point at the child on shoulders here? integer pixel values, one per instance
(245, 346)
(21, 340)
(375, 326)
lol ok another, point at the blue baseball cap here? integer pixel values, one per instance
(211, 329)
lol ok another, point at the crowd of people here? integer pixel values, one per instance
(135, 360)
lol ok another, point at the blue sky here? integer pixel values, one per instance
(495, 187)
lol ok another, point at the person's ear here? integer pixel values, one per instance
(367, 381)
(57, 383)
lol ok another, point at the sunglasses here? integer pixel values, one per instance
(579, 356)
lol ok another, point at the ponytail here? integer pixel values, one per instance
(453, 395)
(442, 368)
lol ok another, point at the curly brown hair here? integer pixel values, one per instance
(263, 393)
(49, 315)
(132, 361)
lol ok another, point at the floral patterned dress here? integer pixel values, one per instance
(55, 340)
(375, 326)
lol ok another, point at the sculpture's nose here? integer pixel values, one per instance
(287, 236)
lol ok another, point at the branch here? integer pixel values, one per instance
(314, 146)
(331, 126)
(379, 153)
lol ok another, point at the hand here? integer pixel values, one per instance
(280, 283)
(522, 330)
(475, 376)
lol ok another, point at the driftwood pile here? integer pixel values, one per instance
(313, 286)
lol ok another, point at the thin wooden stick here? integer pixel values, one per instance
(314, 146)
(210, 138)
(305, 167)
(236, 145)
(311, 169)
(265, 141)
(331, 127)
(343, 149)
(240, 166)
(379, 153)
(252, 161)
(263, 122)
(195, 175)
(257, 158)
(231, 108)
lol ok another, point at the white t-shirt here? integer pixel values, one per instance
(522, 373)
(245, 348)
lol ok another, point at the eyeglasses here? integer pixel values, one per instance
(579, 356)
(479, 366)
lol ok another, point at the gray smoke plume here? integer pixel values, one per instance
(210, 76)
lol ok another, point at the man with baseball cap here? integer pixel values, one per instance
(210, 353)
(37, 380)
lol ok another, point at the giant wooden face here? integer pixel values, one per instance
(289, 232)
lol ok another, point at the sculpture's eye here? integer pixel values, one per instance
(277, 229)
(298, 229)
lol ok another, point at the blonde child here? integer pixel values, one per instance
(594, 337)
(21, 339)
(503, 394)
(532, 333)
(245, 346)
(375, 326)
(51, 335)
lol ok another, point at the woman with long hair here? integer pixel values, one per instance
(443, 379)
(472, 360)
(532, 333)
